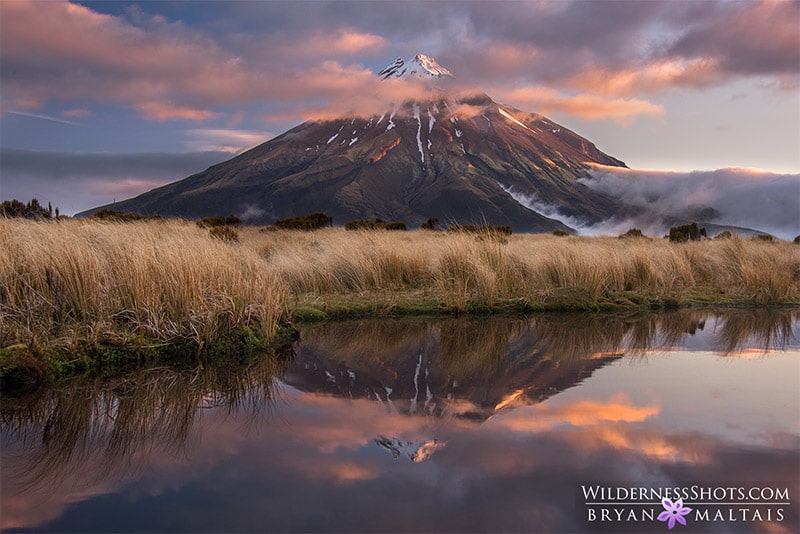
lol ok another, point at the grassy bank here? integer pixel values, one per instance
(149, 289)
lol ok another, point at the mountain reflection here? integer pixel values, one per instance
(414, 389)
(434, 366)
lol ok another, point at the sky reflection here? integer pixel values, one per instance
(518, 435)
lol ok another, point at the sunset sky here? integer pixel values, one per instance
(104, 100)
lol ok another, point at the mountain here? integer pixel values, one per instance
(421, 65)
(453, 155)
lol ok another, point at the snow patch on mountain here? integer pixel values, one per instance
(419, 132)
(510, 117)
(421, 65)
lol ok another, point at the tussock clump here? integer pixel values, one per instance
(224, 233)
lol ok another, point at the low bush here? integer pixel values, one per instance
(430, 224)
(219, 220)
(32, 210)
(632, 233)
(363, 224)
(724, 235)
(312, 221)
(396, 225)
(686, 232)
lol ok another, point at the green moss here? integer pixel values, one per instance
(307, 314)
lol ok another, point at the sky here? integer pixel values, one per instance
(100, 101)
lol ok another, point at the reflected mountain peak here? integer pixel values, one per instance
(416, 451)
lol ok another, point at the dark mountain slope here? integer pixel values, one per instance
(466, 159)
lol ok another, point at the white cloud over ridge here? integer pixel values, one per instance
(746, 198)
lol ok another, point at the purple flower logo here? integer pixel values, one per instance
(673, 512)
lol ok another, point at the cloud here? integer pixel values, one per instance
(299, 59)
(75, 182)
(584, 105)
(164, 111)
(164, 69)
(656, 76)
(737, 197)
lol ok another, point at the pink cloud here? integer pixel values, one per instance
(584, 105)
(657, 76)
(162, 111)
(165, 70)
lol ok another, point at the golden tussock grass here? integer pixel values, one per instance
(76, 280)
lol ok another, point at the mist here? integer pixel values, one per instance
(746, 198)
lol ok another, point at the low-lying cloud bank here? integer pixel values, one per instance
(746, 198)
(77, 182)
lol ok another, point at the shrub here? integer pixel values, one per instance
(632, 233)
(765, 237)
(219, 220)
(363, 224)
(724, 235)
(309, 222)
(686, 232)
(797, 240)
(560, 233)
(224, 233)
(430, 224)
(31, 210)
(397, 225)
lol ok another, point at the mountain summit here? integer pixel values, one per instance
(461, 158)
(421, 65)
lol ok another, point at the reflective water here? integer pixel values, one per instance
(548, 424)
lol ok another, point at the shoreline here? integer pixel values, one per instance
(88, 296)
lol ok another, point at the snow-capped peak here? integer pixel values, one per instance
(430, 66)
(421, 65)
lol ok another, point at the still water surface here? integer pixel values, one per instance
(494, 424)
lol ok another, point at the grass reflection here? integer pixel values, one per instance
(121, 421)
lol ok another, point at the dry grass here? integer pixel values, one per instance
(87, 281)
(80, 280)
